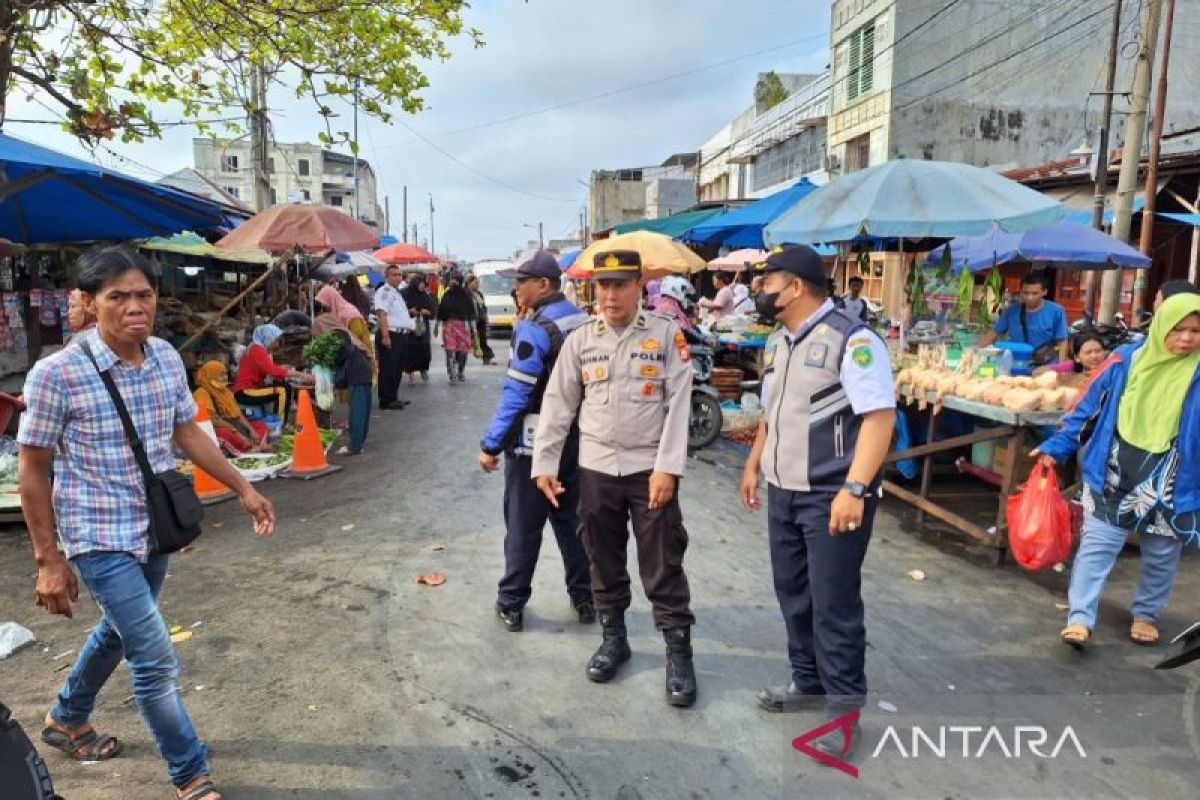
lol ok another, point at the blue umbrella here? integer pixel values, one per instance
(914, 200)
(568, 257)
(1062, 245)
(743, 227)
(48, 197)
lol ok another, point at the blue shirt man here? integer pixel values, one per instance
(535, 345)
(1035, 321)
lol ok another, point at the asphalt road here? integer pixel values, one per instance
(319, 669)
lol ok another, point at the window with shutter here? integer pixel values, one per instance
(866, 74)
(855, 65)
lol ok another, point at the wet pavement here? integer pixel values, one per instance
(321, 669)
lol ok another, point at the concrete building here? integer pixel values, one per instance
(301, 173)
(621, 195)
(761, 152)
(982, 82)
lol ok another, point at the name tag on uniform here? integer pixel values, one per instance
(528, 429)
(817, 354)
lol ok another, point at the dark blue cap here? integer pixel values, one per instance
(540, 265)
(800, 260)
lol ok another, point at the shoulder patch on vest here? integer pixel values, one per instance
(524, 351)
(862, 356)
(682, 346)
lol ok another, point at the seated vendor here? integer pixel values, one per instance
(236, 434)
(1087, 355)
(260, 382)
(1035, 321)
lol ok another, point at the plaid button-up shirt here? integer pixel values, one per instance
(99, 493)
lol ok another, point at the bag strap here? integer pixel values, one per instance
(1024, 326)
(135, 441)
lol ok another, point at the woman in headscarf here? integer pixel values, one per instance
(1141, 468)
(456, 321)
(422, 307)
(481, 320)
(78, 317)
(338, 312)
(260, 381)
(353, 374)
(236, 433)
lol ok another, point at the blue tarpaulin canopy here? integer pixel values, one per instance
(49, 197)
(673, 226)
(743, 227)
(1082, 216)
(1186, 219)
(1062, 245)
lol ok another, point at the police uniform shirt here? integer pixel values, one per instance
(389, 300)
(865, 372)
(631, 390)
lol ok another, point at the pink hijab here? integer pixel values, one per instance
(343, 310)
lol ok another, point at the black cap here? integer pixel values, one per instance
(540, 265)
(801, 261)
(617, 264)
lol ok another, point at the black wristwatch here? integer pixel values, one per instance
(855, 489)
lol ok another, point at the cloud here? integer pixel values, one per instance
(545, 54)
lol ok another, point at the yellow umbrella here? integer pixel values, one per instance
(661, 255)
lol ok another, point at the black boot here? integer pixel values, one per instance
(613, 651)
(681, 675)
(586, 611)
(513, 621)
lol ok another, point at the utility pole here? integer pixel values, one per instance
(259, 138)
(414, 239)
(1131, 153)
(1156, 132)
(354, 153)
(541, 238)
(1093, 277)
(404, 221)
(387, 213)
(431, 239)
(582, 230)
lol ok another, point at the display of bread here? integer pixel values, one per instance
(1019, 394)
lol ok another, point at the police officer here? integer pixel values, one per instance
(535, 346)
(627, 379)
(827, 425)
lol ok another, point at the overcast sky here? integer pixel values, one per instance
(542, 54)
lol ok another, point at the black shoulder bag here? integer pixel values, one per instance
(175, 511)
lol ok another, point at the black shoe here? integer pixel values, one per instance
(613, 651)
(681, 675)
(788, 699)
(393, 406)
(586, 612)
(513, 621)
(834, 743)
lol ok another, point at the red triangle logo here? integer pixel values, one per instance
(845, 724)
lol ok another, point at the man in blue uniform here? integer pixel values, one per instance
(829, 412)
(1035, 321)
(535, 346)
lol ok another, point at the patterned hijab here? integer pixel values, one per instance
(266, 335)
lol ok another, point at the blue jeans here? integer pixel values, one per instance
(360, 415)
(1099, 547)
(132, 628)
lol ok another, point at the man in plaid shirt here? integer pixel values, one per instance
(98, 505)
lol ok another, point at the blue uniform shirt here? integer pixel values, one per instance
(865, 371)
(1047, 325)
(528, 367)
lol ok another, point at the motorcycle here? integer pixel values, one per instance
(706, 419)
(1183, 649)
(1112, 336)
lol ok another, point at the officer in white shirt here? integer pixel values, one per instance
(391, 341)
(829, 413)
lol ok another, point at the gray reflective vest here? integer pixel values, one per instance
(811, 428)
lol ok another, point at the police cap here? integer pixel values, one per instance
(617, 265)
(799, 260)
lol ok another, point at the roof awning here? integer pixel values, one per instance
(674, 226)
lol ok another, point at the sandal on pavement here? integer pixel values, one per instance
(201, 791)
(88, 746)
(1076, 635)
(1143, 632)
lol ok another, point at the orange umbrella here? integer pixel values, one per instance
(315, 229)
(405, 253)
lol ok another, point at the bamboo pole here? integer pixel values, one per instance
(259, 281)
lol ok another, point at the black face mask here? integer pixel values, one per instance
(765, 305)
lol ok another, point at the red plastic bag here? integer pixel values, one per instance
(1039, 521)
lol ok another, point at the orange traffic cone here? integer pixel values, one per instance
(208, 489)
(308, 456)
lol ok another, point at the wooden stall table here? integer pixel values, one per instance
(748, 352)
(1010, 430)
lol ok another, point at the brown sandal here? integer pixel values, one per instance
(1143, 632)
(86, 746)
(1076, 635)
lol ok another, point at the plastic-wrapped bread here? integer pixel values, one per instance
(974, 390)
(1022, 400)
(994, 394)
(1047, 380)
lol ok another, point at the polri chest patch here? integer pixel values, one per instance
(816, 355)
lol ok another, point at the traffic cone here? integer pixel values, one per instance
(308, 456)
(208, 489)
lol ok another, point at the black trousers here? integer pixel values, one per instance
(391, 366)
(526, 511)
(607, 504)
(485, 349)
(818, 583)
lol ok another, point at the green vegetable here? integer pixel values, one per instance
(966, 291)
(916, 290)
(993, 291)
(324, 350)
